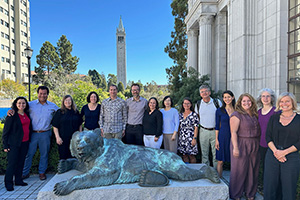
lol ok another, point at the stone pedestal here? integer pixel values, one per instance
(200, 189)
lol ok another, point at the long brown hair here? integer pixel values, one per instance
(63, 107)
(240, 109)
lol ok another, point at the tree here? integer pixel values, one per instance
(177, 47)
(48, 59)
(121, 87)
(190, 87)
(64, 48)
(103, 84)
(96, 77)
(111, 80)
(11, 89)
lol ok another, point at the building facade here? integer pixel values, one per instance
(121, 54)
(244, 45)
(15, 37)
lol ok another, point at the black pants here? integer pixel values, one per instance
(281, 178)
(15, 163)
(134, 134)
(64, 150)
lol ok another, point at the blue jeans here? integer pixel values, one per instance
(42, 140)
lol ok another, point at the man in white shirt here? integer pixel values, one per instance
(206, 109)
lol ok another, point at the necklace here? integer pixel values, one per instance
(286, 117)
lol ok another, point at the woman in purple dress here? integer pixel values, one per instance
(223, 130)
(245, 136)
(265, 101)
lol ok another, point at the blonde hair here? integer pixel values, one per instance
(287, 94)
(240, 109)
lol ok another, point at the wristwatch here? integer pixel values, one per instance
(195, 138)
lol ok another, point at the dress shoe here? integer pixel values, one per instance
(21, 184)
(9, 188)
(25, 176)
(43, 177)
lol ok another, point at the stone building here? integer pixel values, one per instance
(121, 54)
(246, 45)
(15, 37)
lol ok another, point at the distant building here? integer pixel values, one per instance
(121, 54)
(246, 45)
(15, 36)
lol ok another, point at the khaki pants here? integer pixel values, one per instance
(208, 139)
(113, 135)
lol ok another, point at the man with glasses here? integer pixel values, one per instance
(206, 109)
(136, 107)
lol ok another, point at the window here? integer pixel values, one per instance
(12, 29)
(23, 13)
(2, 46)
(14, 63)
(1, 21)
(7, 60)
(23, 2)
(1, 9)
(6, 1)
(23, 23)
(8, 71)
(12, 19)
(13, 41)
(13, 52)
(6, 12)
(294, 48)
(6, 24)
(2, 59)
(12, 7)
(6, 36)
(6, 48)
(2, 34)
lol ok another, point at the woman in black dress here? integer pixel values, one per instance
(16, 135)
(66, 121)
(91, 111)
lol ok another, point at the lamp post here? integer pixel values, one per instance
(28, 52)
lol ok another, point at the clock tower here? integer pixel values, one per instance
(121, 54)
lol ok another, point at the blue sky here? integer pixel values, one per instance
(91, 25)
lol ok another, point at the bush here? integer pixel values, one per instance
(52, 160)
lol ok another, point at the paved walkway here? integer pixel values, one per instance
(30, 192)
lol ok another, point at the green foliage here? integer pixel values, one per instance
(48, 59)
(11, 89)
(111, 80)
(177, 47)
(121, 88)
(190, 88)
(98, 79)
(153, 90)
(64, 48)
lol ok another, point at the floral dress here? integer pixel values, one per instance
(186, 134)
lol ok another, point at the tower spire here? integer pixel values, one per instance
(121, 27)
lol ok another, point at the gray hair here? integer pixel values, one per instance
(204, 87)
(271, 92)
(287, 94)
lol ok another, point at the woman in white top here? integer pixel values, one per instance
(170, 124)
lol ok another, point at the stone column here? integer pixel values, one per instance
(205, 44)
(192, 59)
(219, 59)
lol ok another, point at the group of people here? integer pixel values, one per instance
(234, 131)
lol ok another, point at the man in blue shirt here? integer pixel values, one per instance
(41, 113)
